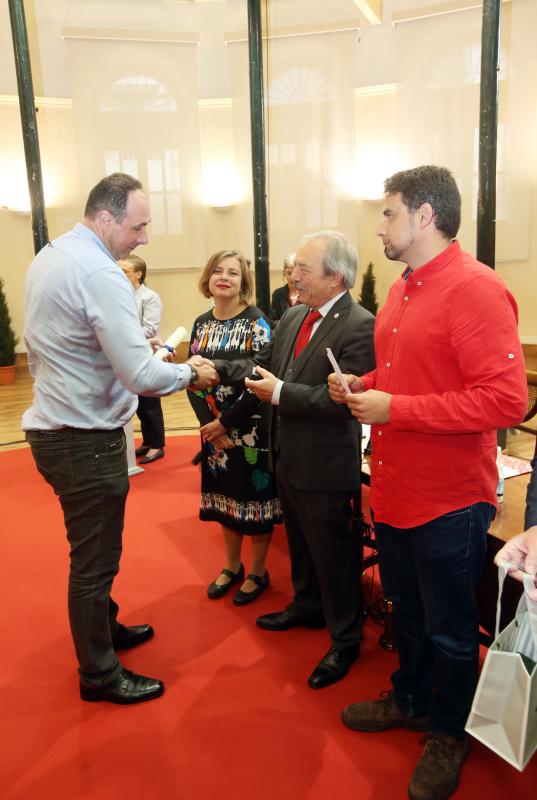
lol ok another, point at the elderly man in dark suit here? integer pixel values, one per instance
(316, 445)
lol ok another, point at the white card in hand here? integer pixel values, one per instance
(341, 377)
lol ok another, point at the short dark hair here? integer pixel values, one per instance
(214, 261)
(433, 185)
(111, 194)
(138, 265)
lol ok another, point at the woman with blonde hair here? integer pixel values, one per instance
(237, 484)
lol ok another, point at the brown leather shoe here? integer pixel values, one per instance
(437, 772)
(375, 716)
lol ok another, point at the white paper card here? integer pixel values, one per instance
(341, 377)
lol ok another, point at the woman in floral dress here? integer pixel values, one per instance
(237, 484)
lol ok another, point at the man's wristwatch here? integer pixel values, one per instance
(194, 375)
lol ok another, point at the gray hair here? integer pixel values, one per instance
(289, 260)
(340, 257)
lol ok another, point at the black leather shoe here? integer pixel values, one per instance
(128, 688)
(291, 617)
(142, 450)
(261, 581)
(128, 636)
(334, 666)
(154, 457)
(215, 591)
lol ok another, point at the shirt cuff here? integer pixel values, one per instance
(275, 399)
(400, 412)
(183, 376)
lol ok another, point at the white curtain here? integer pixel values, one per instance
(438, 79)
(136, 111)
(310, 132)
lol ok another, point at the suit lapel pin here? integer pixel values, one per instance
(336, 315)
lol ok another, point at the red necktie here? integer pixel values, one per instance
(304, 333)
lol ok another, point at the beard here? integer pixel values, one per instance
(392, 253)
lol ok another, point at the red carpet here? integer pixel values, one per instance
(238, 720)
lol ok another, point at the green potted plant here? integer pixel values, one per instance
(8, 341)
(368, 296)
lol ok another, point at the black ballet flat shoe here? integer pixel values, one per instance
(154, 457)
(142, 450)
(243, 598)
(214, 592)
(126, 689)
(128, 636)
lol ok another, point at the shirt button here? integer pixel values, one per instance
(388, 364)
(405, 297)
(419, 283)
(394, 330)
(511, 355)
(380, 433)
(380, 463)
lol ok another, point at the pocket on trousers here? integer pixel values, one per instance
(111, 459)
(55, 467)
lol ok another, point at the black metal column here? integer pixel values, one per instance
(488, 133)
(257, 126)
(29, 122)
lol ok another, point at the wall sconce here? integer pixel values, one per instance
(221, 186)
(373, 166)
(14, 194)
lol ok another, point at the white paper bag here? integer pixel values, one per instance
(504, 709)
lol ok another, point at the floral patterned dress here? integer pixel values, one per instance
(237, 484)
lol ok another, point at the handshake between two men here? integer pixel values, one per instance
(203, 371)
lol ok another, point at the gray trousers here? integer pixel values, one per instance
(88, 472)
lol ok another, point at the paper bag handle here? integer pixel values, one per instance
(525, 601)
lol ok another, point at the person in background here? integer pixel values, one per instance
(285, 296)
(149, 409)
(450, 371)
(89, 360)
(521, 550)
(237, 484)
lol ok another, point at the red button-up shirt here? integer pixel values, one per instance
(448, 352)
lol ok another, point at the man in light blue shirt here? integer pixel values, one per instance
(89, 360)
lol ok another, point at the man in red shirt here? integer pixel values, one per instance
(450, 371)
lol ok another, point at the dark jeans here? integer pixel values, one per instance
(149, 413)
(88, 472)
(430, 573)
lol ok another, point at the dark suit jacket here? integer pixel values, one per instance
(318, 440)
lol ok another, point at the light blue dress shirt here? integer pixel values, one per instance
(87, 352)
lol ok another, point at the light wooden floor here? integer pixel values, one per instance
(180, 420)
